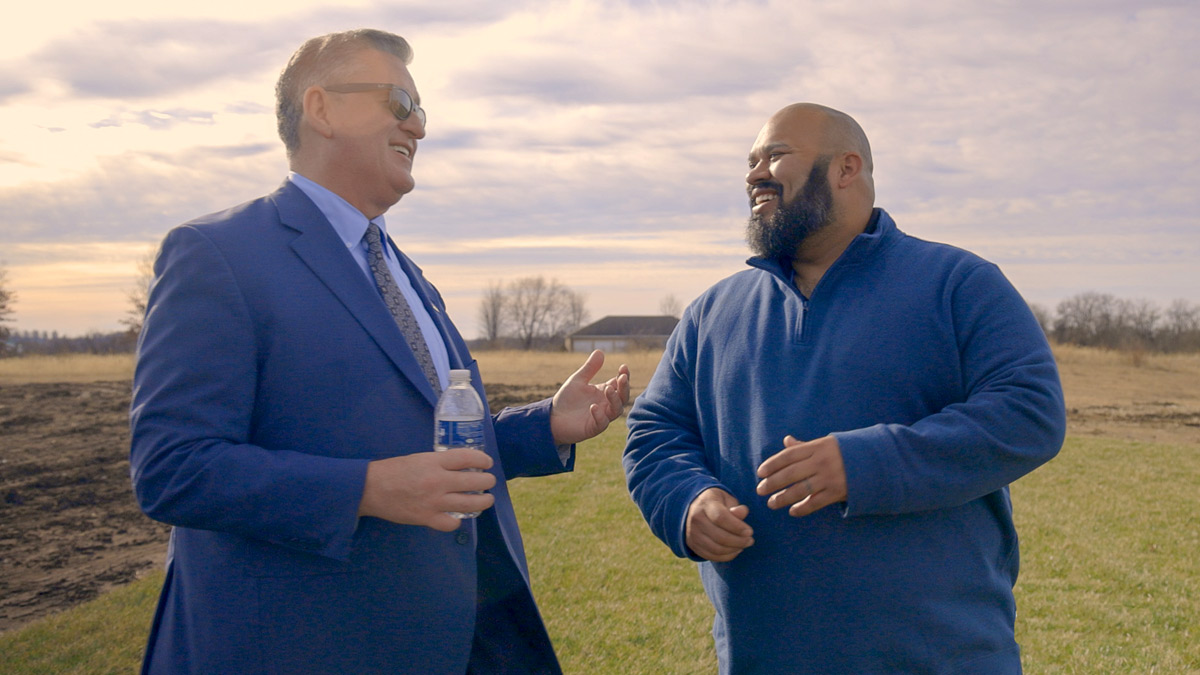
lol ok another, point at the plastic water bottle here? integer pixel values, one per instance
(458, 420)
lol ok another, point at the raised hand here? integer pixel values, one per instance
(581, 409)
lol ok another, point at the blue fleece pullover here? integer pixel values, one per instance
(935, 378)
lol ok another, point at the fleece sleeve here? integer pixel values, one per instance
(665, 460)
(1011, 420)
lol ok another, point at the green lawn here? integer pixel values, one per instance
(1110, 578)
(1110, 560)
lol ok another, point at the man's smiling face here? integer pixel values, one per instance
(788, 186)
(374, 150)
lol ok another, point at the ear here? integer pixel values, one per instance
(317, 113)
(849, 167)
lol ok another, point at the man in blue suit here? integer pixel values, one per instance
(283, 424)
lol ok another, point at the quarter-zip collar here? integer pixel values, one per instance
(880, 232)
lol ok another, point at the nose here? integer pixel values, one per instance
(412, 124)
(757, 173)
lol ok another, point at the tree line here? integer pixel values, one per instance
(29, 342)
(538, 313)
(1101, 320)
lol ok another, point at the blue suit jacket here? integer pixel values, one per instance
(269, 374)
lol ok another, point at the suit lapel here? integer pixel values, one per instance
(319, 247)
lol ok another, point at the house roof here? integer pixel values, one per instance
(614, 326)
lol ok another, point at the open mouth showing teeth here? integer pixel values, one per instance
(402, 150)
(761, 199)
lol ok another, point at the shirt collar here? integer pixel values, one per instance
(349, 223)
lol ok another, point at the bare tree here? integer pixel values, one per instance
(533, 304)
(572, 312)
(7, 298)
(1086, 319)
(1181, 327)
(139, 295)
(670, 306)
(539, 310)
(492, 316)
(1137, 322)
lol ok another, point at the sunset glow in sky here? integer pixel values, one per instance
(604, 143)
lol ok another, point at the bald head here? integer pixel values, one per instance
(816, 133)
(835, 131)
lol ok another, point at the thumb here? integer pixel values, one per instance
(590, 367)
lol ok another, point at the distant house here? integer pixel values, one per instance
(622, 334)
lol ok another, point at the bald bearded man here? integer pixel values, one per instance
(831, 433)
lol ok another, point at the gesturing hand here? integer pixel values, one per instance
(581, 409)
(419, 489)
(805, 476)
(716, 528)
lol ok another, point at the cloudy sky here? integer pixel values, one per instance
(603, 143)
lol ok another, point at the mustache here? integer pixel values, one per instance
(766, 184)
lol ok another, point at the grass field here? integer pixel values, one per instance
(1110, 578)
(66, 368)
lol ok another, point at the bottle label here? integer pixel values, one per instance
(460, 434)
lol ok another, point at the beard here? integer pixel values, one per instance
(780, 234)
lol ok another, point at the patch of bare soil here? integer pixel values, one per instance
(1129, 396)
(69, 526)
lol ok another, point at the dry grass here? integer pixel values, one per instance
(502, 367)
(552, 368)
(1072, 355)
(66, 368)
(1140, 396)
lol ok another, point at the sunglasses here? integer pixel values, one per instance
(400, 102)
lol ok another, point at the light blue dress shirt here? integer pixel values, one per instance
(351, 226)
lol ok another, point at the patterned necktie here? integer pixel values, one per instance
(399, 308)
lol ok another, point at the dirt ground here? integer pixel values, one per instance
(70, 530)
(69, 527)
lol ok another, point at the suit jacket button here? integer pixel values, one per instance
(462, 538)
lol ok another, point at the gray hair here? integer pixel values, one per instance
(318, 59)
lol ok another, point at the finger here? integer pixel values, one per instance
(785, 477)
(615, 403)
(599, 418)
(443, 522)
(726, 538)
(789, 455)
(623, 383)
(793, 494)
(468, 481)
(725, 520)
(710, 549)
(457, 459)
(590, 367)
(811, 504)
(461, 502)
